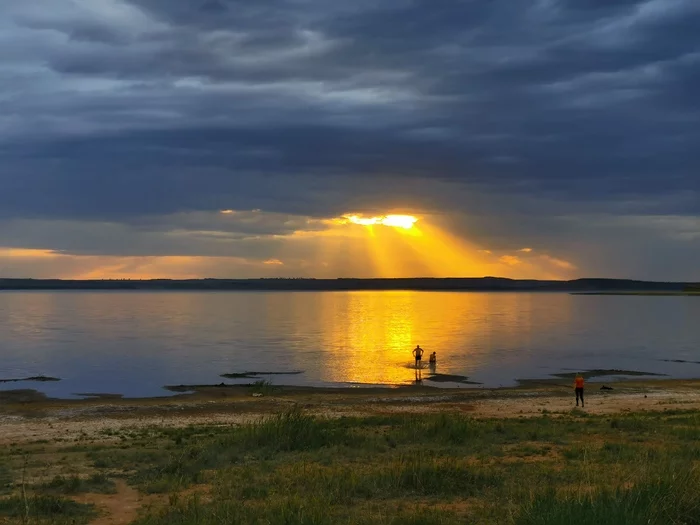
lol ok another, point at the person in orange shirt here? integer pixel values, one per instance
(578, 387)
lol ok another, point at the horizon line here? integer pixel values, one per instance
(486, 277)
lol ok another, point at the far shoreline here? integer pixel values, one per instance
(435, 284)
(644, 294)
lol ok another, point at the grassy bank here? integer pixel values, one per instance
(430, 468)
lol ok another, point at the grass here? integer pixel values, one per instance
(6, 478)
(289, 431)
(292, 511)
(98, 483)
(263, 387)
(46, 508)
(448, 468)
(194, 453)
(425, 475)
(670, 499)
(422, 469)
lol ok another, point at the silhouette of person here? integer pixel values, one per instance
(432, 363)
(418, 354)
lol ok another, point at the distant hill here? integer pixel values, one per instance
(490, 284)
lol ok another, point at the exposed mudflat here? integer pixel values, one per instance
(450, 378)
(36, 379)
(598, 372)
(259, 375)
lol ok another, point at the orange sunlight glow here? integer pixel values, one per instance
(351, 245)
(27, 253)
(396, 221)
(410, 247)
(408, 250)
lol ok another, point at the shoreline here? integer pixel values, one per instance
(456, 383)
(27, 418)
(435, 382)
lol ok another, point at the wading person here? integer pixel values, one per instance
(432, 363)
(418, 354)
(578, 388)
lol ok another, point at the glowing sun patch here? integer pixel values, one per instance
(395, 221)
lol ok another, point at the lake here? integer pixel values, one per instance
(134, 343)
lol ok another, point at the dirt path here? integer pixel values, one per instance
(116, 509)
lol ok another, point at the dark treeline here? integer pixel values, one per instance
(466, 284)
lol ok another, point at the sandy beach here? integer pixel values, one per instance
(26, 417)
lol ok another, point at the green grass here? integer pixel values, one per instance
(124, 459)
(293, 511)
(263, 386)
(437, 468)
(422, 476)
(288, 431)
(6, 477)
(670, 499)
(46, 508)
(98, 483)
(195, 453)
(293, 468)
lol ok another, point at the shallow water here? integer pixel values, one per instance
(134, 343)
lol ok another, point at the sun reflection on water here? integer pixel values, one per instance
(380, 330)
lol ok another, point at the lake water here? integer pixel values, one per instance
(134, 343)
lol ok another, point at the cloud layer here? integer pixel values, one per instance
(570, 126)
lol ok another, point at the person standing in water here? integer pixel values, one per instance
(418, 354)
(432, 363)
(578, 388)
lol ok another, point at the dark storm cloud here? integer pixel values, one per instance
(114, 110)
(242, 234)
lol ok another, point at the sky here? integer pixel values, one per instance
(230, 138)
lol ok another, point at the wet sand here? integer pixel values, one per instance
(26, 416)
